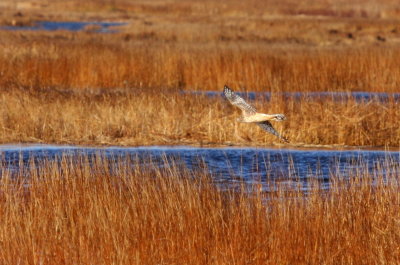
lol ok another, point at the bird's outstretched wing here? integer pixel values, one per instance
(238, 101)
(267, 126)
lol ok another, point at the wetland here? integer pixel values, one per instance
(118, 148)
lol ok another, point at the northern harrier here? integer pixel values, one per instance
(250, 114)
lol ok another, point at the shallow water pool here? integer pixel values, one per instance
(229, 165)
(99, 27)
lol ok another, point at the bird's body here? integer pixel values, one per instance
(257, 117)
(250, 114)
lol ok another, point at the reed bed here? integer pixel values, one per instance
(158, 64)
(169, 118)
(116, 212)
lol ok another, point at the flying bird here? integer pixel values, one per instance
(250, 114)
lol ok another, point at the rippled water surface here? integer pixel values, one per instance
(226, 165)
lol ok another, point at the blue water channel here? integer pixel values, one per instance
(227, 165)
(360, 96)
(99, 27)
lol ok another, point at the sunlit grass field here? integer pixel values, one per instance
(67, 212)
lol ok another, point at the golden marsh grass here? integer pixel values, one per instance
(109, 64)
(87, 88)
(124, 89)
(168, 118)
(120, 213)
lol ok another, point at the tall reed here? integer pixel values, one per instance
(108, 212)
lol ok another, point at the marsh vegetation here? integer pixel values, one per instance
(153, 118)
(123, 88)
(129, 88)
(71, 212)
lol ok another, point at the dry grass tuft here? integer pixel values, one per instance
(121, 213)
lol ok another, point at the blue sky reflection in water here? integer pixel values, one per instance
(230, 166)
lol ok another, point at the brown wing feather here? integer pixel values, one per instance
(267, 126)
(238, 101)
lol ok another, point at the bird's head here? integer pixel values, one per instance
(279, 117)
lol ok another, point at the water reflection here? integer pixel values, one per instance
(226, 165)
